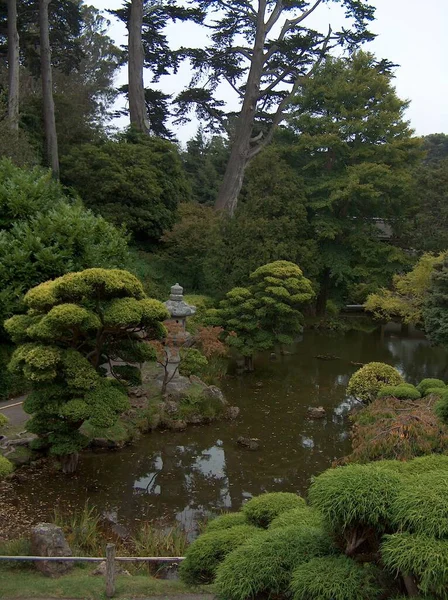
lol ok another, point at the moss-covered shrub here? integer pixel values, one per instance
(404, 391)
(334, 578)
(207, 551)
(423, 556)
(3, 420)
(261, 510)
(226, 521)
(441, 407)
(369, 379)
(426, 384)
(355, 494)
(302, 515)
(426, 464)
(264, 565)
(421, 504)
(6, 467)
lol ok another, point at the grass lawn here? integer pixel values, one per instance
(27, 583)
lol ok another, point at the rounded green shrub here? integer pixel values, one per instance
(334, 578)
(421, 504)
(3, 420)
(262, 510)
(427, 384)
(423, 556)
(265, 564)
(369, 379)
(435, 391)
(355, 495)
(424, 464)
(226, 521)
(405, 391)
(302, 515)
(441, 407)
(208, 550)
(6, 467)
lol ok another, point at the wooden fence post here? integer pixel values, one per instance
(110, 570)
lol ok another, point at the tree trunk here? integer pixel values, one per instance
(411, 585)
(136, 89)
(69, 462)
(51, 138)
(249, 363)
(321, 302)
(239, 155)
(13, 67)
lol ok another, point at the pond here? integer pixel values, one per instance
(183, 476)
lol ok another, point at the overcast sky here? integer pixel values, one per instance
(410, 33)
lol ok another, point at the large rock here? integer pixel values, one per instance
(48, 540)
(214, 393)
(232, 412)
(316, 412)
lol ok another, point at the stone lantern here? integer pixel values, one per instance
(179, 311)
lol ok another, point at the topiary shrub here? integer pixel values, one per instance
(302, 515)
(435, 391)
(207, 551)
(426, 384)
(441, 407)
(426, 464)
(369, 379)
(355, 502)
(75, 325)
(6, 467)
(261, 510)
(423, 557)
(405, 391)
(421, 504)
(3, 420)
(226, 521)
(335, 578)
(264, 565)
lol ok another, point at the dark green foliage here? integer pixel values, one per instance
(226, 521)
(420, 555)
(264, 565)
(334, 578)
(421, 504)
(435, 313)
(43, 235)
(369, 379)
(75, 325)
(205, 554)
(262, 510)
(193, 362)
(403, 391)
(355, 494)
(3, 420)
(426, 384)
(441, 407)
(138, 182)
(300, 516)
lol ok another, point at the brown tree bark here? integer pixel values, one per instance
(240, 153)
(51, 138)
(13, 67)
(136, 90)
(69, 463)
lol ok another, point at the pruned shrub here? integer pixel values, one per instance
(261, 510)
(334, 578)
(6, 467)
(422, 556)
(421, 504)
(302, 515)
(355, 495)
(426, 464)
(369, 379)
(226, 521)
(264, 565)
(3, 420)
(426, 384)
(389, 428)
(403, 391)
(207, 551)
(441, 408)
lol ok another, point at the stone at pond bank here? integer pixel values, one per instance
(48, 540)
(101, 570)
(316, 412)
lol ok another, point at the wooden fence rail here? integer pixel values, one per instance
(110, 559)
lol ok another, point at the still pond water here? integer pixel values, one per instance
(184, 476)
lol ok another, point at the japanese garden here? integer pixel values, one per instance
(223, 355)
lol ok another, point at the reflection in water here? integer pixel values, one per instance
(182, 476)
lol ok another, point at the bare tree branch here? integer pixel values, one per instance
(275, 15)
